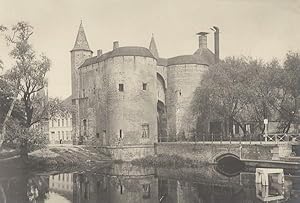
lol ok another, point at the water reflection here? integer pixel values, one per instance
(24, 189)
(268, 193)
(138, 185)
(230, 166)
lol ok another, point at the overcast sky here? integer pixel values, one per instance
(257, 28)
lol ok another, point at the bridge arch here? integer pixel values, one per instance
(229, 164)
(226, 155)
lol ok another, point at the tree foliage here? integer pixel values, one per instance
(240, 90)
(27, 82)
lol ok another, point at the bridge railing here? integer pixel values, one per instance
(249, 138)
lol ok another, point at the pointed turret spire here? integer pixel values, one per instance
(153, 48)
(81, 42)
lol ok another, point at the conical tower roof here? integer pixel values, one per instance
(153, 48)
(81, 42)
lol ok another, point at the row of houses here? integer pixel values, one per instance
(60, 127)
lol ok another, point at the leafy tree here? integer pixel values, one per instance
(287, 102)
(239, 90)
(223, 89)
(262, 90)
(28, 80)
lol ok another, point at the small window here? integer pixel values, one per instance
(121, 87)
(58, 122)
(144, 86)
(236, 129)
(62, 122)
(146, 191)
(84, 127)
(145, 131)
(97, 135)
(52, 123)
(121, 189)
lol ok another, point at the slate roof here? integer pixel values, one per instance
(203, 56)
(162, 62)
(121, 51)
(81, 42)
(153, 48)
(206, 55)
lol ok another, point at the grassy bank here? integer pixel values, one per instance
(58, 158)
(169, 161)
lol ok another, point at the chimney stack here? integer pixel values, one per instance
(116, 45)
(202, 39)
(217, 46)
(99, 52)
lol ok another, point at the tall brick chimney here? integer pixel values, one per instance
(202, 39)
(217, 43)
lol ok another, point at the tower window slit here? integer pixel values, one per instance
(121, 134)
(121, 87)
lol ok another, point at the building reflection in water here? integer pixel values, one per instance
(135, 187)
(61, 186)
(129, 184)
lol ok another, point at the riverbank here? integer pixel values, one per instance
(58, 158)
(168, 161)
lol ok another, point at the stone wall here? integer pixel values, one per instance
(209, 152)
(128, 152)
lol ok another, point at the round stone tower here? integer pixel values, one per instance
(131, 97)
(184, 75)
(80, 52)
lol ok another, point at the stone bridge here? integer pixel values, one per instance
(212, 152)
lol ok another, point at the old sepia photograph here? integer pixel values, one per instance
(150, 101)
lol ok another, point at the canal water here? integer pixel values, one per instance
(131, 184)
